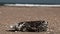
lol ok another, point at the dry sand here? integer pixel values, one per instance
(11, 15)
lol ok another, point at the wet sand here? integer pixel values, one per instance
(11, 15)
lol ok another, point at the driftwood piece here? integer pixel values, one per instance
(30, 26)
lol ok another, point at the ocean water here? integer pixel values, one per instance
(31, 1)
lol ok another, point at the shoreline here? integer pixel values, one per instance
(32, 5)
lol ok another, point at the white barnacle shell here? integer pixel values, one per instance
(46, 22)
(11, 26)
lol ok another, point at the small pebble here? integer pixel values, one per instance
(48, 32)
(51, 30)
(15, 31)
